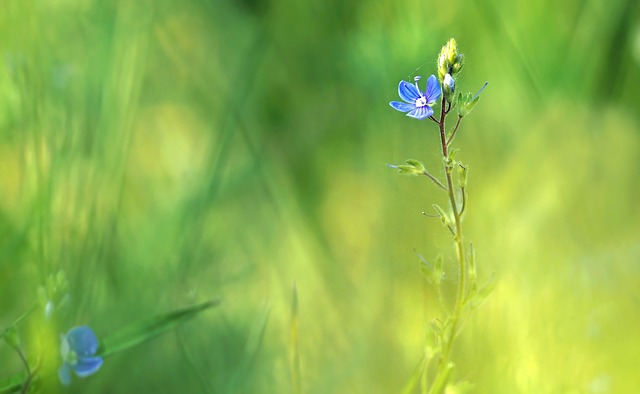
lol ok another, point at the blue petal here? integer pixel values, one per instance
(82, 341)
(408, 92)
(87, 366)
(64, 374)
(403, 107)
(433, 89)
(421, 112)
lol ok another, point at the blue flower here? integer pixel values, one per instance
(78, 350)
(417, 103)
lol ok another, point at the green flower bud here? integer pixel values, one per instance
(12, 337)
(452, 50)
(457, 64)
(462, 176)
(54, 293)
(413, 167)
(448, 85)
(444, 217)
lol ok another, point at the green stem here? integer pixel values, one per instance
(443, 138)
(19, 319)
(455, 129)
(443, 365)
(464, 201)
(27, 382)
(434, 180)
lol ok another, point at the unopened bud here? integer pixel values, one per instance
(413, 167)
(462, 176)
(448, 85)
(449, 61)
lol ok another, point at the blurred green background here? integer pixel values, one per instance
(162, 153)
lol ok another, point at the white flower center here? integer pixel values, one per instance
(421, 102)
(68, 355)
(64, 347)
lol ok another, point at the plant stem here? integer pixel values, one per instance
(458, 238)
(455, 129)
(434, 180)
(443, 138)
(27, 383)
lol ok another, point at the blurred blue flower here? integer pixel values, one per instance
(78, 350)
(417, 103)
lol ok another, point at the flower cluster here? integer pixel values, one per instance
(449, 61)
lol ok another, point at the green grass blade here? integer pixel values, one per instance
(135, 334)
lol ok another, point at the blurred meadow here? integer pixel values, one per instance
(161, 153)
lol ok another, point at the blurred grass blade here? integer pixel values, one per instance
(253, 345)
(193, 363)
(418, 371)
(12, 384)
(295, 351)
(442, 378)
(17, 321)
(135, 334)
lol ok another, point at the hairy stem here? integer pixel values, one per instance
(434, 180)
(455, 129)
(443, 365)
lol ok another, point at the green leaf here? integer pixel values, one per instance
(444, 218)
(12, 384)
(417, 373)
(294, 342)
(413, 167)
(441, 379)
(17, 321)
(440, 265)
(472, 265)
(468, 102)
(449, 161)
(415, 164)
(434, 274)
(426, 270)
(12, 337)
(461, 387)
(252, 347)
(138, 333)
(439, 329)
(454, 101)
(469, 106)
(482, 294)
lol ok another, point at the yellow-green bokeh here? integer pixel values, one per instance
(161, 153)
